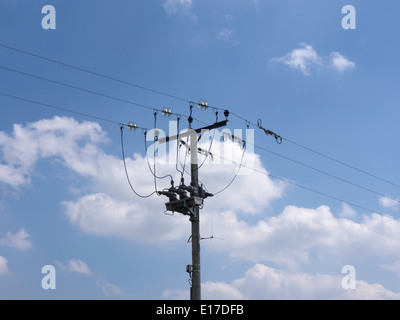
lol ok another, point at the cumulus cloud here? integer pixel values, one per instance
(388, 203)
(20, 240)
(306, 59)
(116, 211)
(60, 137)
(340, 62)
(347, 211)
(3, 265)
(263, 282)
(242, 215)
(289, 238)
(109, 207)
(303, 58)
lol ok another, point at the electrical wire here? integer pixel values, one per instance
(92, 92)
(94, 73)
(320, 153)
(174, 97)
(62, 109)
(242, 165)
(126, 171)
(325, 173)
(208, 152)
(312, 190)
(153, 171)
(342, 163)
(235, 176)
(257, 146)
(177, 150)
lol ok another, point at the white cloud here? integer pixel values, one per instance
(115, 210)
(108, 288)
(303, 58)
(306, 59)
(60, 137)
(175, 6)
(341, 63)
(100, 214)
(263, 282)
(3, 265)
(347, 211)
(289, 238)
(395, 267)
(77, 265)
(388, 203)
(110, 207)
(20, 240)
(296, 237)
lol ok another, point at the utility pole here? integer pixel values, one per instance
(195, 290)
(191, 205)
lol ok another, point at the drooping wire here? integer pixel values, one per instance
(126, 170)
(177, 149)
(259, 147)
(153, 171)
(208, 153)
(279, 140)
(236, 174)
(190, 101)
(211, 143)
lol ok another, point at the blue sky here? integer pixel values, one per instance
(65, 200)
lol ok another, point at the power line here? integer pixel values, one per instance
(342, 163)
(259, 147)
(64, 109)
(94, 73)
(181, 99)
(325, 173)
(309, 189)
(316, 152)
(92, 92)
(312, 150)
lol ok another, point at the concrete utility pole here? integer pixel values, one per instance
(195, 290)
(191, 205)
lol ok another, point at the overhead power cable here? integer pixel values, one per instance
(63, 109)
(310, 189)
(259, 147)
(93, 92)
(191, 102)
(98, 74)
(325, 173)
